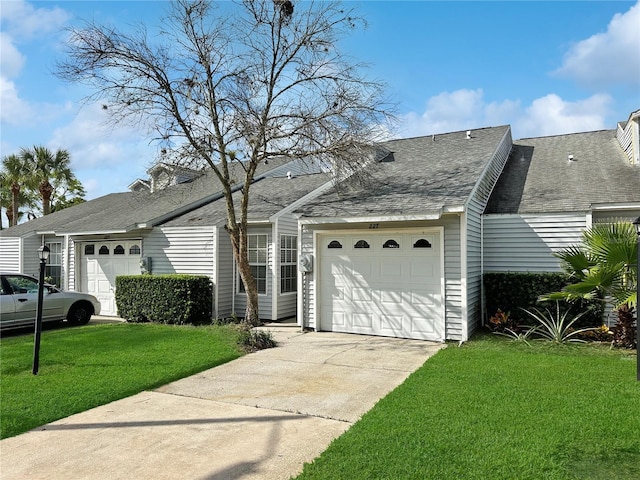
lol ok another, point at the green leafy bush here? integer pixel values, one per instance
(512, 292)
(168, 299)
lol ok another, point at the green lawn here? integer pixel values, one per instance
(495, 409)
(84, 367)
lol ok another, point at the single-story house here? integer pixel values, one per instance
(396, 250)
(133, 232)
(405, 255)
(402, 255)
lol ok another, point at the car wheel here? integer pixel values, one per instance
(79, 314)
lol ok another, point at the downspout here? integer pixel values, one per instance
(483, 303)
(214, 272)
(67, 255)
(233, 284)
(275, 271)
(302, 283)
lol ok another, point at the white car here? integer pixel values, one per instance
(19, 303)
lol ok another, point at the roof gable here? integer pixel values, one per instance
(420, 175)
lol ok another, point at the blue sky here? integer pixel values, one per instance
(545, 68)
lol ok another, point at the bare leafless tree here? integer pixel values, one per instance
(237, 84)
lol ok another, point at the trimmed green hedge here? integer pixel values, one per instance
(169, 299)
(510, 292)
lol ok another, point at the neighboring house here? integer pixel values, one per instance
(126, 233)
(553, 188)
(162, 175)
(401, 256)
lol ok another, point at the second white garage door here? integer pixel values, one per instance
(101, 263)
(388, 284)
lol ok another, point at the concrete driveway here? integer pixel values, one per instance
(261, 416)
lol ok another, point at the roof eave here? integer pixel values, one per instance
(433, 215)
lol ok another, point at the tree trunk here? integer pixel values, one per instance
(251, 316)
(15, 195)
(46, 190)
(239, 241)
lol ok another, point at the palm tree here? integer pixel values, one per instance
(603, 266)
(47, 169)
(15, 176)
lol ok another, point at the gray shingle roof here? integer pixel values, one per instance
(421, 175)
(539, 178)
(267, 197)
(125, 211)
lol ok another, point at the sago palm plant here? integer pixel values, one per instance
(603, 266)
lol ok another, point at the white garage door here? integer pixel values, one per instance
(388, 284)
(101, 263)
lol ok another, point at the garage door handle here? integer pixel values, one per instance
(23, 299)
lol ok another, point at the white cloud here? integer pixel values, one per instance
(105, 158)
(21, 19)
(551, 115)
(467, 109)
(11, 60)
(22, 23)
(607, 58)
(14, 111)
(458, 110)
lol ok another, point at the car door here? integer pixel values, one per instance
(25, 296)
(7, 306)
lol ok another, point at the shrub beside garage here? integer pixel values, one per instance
(511, 292)
(168, 299)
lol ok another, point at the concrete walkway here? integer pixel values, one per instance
(261, 416)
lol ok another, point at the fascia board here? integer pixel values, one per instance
(615, 206)
(92, 232)
(436, 215)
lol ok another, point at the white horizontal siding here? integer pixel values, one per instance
(307, 283)
(226, 280)
(10, 254)
(285, 304)
(180, 250)
(455, 329)
(526, 243)
(30, 262)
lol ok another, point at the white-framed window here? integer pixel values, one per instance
(258, 252)
(288, 263)
(53, 269)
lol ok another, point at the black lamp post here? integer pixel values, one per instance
(636, 223)
(43, 255)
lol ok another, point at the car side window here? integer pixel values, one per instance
(20, 284)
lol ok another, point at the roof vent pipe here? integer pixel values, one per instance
(289, 175)
(468, 134)
(570, 157)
